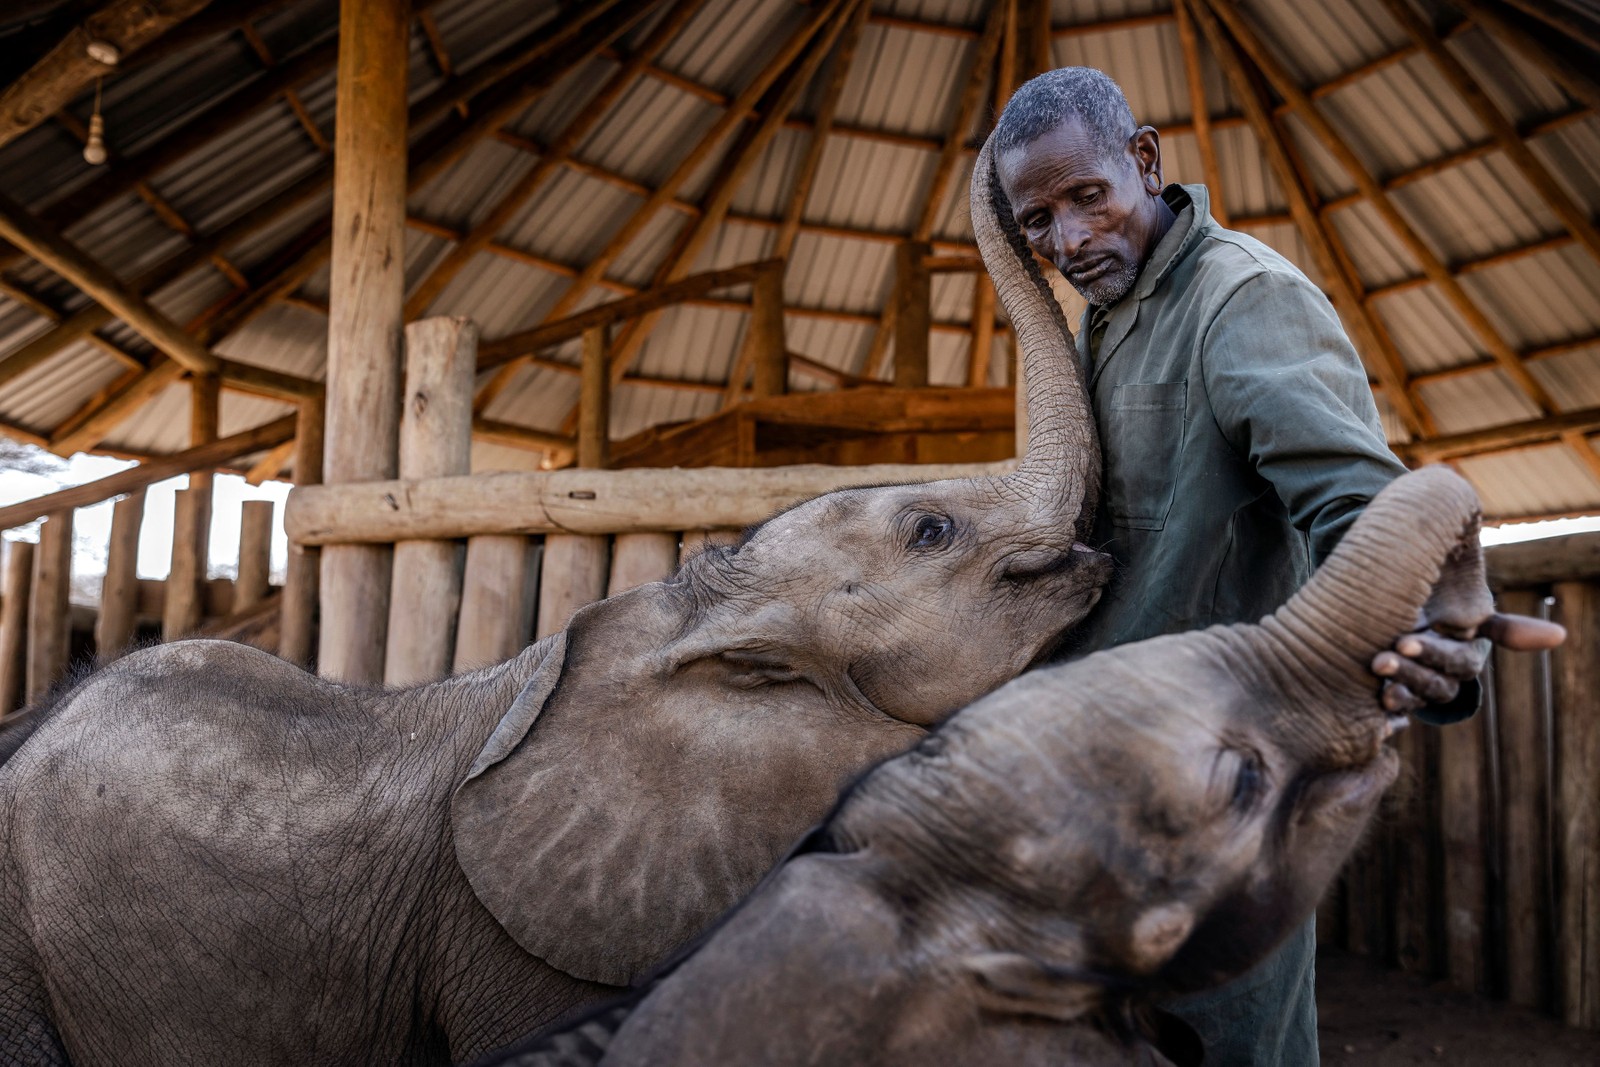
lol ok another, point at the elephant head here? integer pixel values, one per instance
(685, 733)
(1150, 819)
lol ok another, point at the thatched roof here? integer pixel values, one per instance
(1447, 159)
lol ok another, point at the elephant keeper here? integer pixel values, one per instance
(1240, 441)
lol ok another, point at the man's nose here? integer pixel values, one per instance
(1070, 237)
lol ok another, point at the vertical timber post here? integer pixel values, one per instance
(912, 321)
(365, 318)
(14, 625)
(594, 411)
(771, 349)
(435, 442)
(119, 593)
(1461, 810)
(255, 555)
(1577, 815)
(49, 624)
(641, 558)
(297, 621)
(181, 603)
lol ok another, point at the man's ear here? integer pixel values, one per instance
(1146, 147)
(1014, 984)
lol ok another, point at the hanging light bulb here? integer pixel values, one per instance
(94, 149)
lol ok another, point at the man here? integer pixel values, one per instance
(1240, 440)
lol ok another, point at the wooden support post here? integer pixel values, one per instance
(594, 425)
(364, 318)
(771, 350)
(181, 607)
(493, 604)
(435, 442)
(255, 555)
(574, 574)
(298, 616)
(49, 621)
(1408, 808)
(641, 558)
(1519, 688)
(1199, 109)
(1577, 749)
(1462, 793)
(119, 593)
(14, 624)
(912, 316)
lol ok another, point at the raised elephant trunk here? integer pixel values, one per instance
(1414, 550)
(1061, 468)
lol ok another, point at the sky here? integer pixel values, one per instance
(92, 525)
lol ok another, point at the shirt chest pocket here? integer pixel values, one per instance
(1144, 439)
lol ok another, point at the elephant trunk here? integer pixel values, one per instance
(1414, 548)
(1060, 471)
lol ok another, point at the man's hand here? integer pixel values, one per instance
(1426, 667)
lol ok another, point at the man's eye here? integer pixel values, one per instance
(1089, 198)
(1035, 223)
(931, 531)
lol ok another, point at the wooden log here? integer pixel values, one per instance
(205, 416)
(297, 626)
(641, 558)
(48, 619)
(693, 542)
(181, 613)
(1577, 750)
(1462, 795)
(119, 593)
(1549, 559)
(573, 574)
(1408, 811)
(582, 501)
(156, 469)
(60, 74)
(594, 424)
(770, 349)
(493, 596)
(255, 554)
(912, 316)
(364, 319)
(435, 440)
(1519, 691)
(14, 624)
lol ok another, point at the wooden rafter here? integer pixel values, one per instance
(976, 79)
(980, 348)
(1372, 190)
(691, 162)
(1579, 83)
(552, 158)
(1559, 21)
(63, 72)
(1504, 133)
(746, 150)
(1199, 110)
(1259, 113)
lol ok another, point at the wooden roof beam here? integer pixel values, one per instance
(1579, 83)
(1373, 191)
(1549, 428)
(1505, 135)
(1201, 114)
(1271, 141)
(61, 74)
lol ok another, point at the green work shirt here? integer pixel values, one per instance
(1239, 432)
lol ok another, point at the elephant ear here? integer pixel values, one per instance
(627, 798)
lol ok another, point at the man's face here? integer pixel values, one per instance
(1096, 217)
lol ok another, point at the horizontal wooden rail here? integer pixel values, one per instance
(506, 349)
(1509, 435)
(580, 501)
(152, 470)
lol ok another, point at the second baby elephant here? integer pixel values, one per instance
(213, 857)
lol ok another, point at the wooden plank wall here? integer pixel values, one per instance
(1484, 867)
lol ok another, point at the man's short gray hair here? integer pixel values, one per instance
(1053, 97)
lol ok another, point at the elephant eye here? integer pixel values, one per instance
(931, 531)
(1249, 783)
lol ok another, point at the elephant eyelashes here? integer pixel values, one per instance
(1249, 783)
(931, 531)
(752, 669)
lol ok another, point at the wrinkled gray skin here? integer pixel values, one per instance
(213, 857)
(1148, 820)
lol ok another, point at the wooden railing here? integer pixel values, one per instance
(1484, 869)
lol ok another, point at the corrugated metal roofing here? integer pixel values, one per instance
(869, 188)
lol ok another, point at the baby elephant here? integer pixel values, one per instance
(1149, 820)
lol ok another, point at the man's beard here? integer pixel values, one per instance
(1108, 288)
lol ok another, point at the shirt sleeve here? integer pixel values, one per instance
(1289, 393)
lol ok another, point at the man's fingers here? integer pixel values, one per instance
(1398, 699)
(1459, 659)
(1522, 633)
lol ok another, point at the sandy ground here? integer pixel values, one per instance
(1378, 1018)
